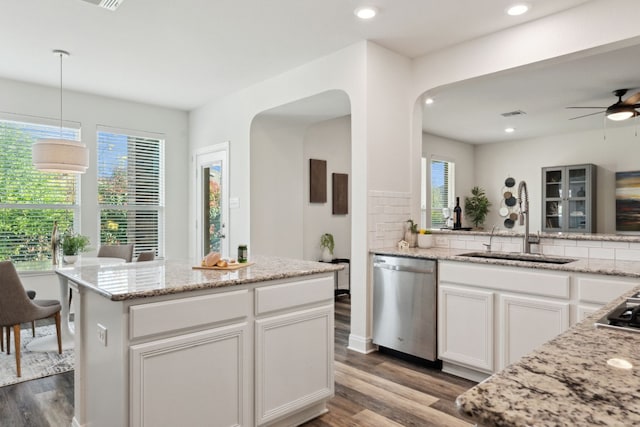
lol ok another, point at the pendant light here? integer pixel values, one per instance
(60, 155)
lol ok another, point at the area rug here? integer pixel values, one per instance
(34, 364)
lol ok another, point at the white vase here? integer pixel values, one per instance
(326, 255)
(70, 259)
(425, 240)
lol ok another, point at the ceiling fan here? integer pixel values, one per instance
(621, 110)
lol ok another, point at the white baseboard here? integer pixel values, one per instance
(462, 372)
(361, 344)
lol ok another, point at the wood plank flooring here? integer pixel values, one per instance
(379, 389)
(371, 390)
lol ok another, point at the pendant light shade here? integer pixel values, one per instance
(60, 155)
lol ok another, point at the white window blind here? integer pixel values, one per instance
(131, 190)
(30, 200)
(442, 191)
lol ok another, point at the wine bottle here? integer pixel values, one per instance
(457, 215)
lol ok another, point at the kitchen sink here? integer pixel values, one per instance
(513, 256)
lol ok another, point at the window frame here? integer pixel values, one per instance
(450, 183)
(66, 128)
(159, 208)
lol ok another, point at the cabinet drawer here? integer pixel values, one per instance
(168, 316)
(602, 290)
(294, 294)
(512, 279)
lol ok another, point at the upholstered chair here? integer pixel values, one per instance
(146, 256)
(116, 251)
(17, 308)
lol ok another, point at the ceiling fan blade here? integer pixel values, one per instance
(632, 100)
(586, 115)
(603, 108)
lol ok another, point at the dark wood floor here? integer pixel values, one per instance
(371, 390)
(379, 389)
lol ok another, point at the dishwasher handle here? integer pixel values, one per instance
(403, 268)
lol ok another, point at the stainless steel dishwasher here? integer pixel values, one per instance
(404, 305)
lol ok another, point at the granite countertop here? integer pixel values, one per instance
(580, 265)
(155, 278)
(567, 381)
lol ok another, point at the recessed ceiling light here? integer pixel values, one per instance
(619, 363)
(366, 12)
(428, 101)
(518, 9)
(510, 130)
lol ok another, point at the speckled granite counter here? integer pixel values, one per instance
(567, 381)
(155, 278)
(580, 265)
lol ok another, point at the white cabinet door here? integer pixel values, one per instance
(465, 327)
(207, 372)
(294, 362)
(527, 323)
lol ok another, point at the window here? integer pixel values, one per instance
(131, 189)
(442, 192)
(30, 200)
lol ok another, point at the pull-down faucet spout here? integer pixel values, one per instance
(524, 214)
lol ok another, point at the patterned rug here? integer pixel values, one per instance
(34, 364)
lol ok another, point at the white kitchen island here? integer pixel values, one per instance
(161, 344)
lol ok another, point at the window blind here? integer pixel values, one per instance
(30, 200)
(131, 190)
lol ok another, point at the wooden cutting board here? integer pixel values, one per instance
(236, 266)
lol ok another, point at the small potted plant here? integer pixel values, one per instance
(327, 244)
(411, 234)
(476, 207)
(425, 238)
(72, 245)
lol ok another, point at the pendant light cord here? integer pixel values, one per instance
(60, 94)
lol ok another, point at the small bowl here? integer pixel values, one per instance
(511, 201)
(509, 182)
(509, 223)
(504, 211)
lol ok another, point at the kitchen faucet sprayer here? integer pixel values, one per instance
(524, 214)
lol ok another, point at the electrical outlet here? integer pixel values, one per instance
(102, 334)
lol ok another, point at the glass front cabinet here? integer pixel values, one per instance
(569, 199)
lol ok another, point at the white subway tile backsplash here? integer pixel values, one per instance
(589, 244)
(627, 255)
(577, 252)
(615, 245)
(442, 241)
(601, 253)
(553, 250)
(457, 244)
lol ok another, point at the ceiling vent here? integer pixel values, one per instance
(106, 4)
(513, 113)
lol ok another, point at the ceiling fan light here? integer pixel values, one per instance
(621, 114)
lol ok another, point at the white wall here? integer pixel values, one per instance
(329, 140)
(523, 160)
(598, 25)
(276, 187)
(462, 154)
(90, 111)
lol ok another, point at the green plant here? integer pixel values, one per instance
(326, 241)
(413, 227)
(476, 207)
(73, 243)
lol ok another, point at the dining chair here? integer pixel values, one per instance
(117, 251)
(32, 295)
(146, 256)
(17, 308)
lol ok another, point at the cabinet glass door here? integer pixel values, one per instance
(553, 199)
(577, 199)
